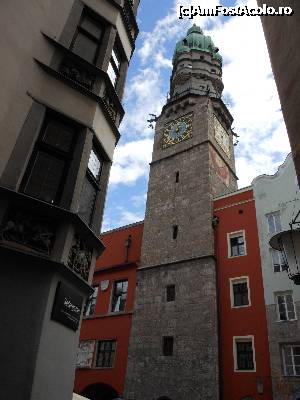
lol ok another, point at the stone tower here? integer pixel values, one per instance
(173, 352)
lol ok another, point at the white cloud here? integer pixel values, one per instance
(129, 217)
(139, 200)
(248, 80)
(131, 162)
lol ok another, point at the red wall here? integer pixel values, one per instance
(247, 320)
(114, 253)
(105, 325)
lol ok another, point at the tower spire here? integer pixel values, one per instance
(197, 66)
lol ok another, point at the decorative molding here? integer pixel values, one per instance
(79, 74)
(80, 258)
(27, 231)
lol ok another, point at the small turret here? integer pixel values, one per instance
(197, 66)
(196, 40)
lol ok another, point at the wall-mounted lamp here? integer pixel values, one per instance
(289, 243)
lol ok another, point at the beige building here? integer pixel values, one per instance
(62, 74)
(283, 39)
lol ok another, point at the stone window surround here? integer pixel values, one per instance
(284, 293)
(234, 234)
(240, 279)
(42, 146)
(19, 160)
(97, 349)
(283, 346)
(246, 338)
(281, 258)
(273, 215)
(109, 40)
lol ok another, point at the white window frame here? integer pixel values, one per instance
(281, 265)
(232, 235)
(277, 306)
(97, 350)
(112, 295)
(273, 215)
(246, 338)
(93, 296)
(285, 346)
(240, 279)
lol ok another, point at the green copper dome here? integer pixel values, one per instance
(195, 40)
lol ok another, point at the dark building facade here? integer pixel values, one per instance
(173, 348)
(62, 83)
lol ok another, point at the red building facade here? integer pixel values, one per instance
(245, 361)
(102, 357)
(244, 353)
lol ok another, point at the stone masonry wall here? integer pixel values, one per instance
(192, 371)
(281, 333)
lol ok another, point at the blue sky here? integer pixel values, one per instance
(250, 91)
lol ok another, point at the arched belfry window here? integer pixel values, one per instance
(164, 398)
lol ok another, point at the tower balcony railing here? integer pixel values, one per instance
(199, 92)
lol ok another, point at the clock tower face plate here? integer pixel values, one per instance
(222, 136)
(178, 130)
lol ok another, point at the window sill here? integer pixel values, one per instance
(245, 306)
(244, 370)
(93, 368)
(286, 320)
(240, 255)
(108, 315)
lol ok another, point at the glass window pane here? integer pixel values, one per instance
(91, 303)
(277, 268)
(277, 222)
(94, 164)
(296, 350)
(85, 47)
(92, 26)
(116, 58)
(87, 201)
(119, 296)
(271, 223)
(106, 352)
(45, 177)
(297, 370)
(111, 73)
(58, 135)
(289, 370)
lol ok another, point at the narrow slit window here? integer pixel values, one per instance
(170, 293)
(175, 231)
(168, 344)
(177, 177)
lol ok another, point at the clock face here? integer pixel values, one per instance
(178, 130)
(222, 136)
